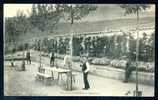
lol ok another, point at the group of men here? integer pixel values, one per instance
(68, 63)
(85, 64)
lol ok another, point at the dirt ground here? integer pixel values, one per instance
(22, 83)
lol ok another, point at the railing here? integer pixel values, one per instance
(96, 33)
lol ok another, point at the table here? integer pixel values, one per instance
(59, 71)
(56, 69)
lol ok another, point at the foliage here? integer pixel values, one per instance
(10, 29)
(16, 27)
(45, 16)
(106, 46)
(77, 11)
(133, 8)
(22, 24)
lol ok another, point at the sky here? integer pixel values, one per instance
(11, 10)
(104, 11)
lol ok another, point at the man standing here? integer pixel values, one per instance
(68, 65)
(128, 70)
(28, 57)
(85, 69)
(52, 58)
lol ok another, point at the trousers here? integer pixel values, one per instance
(85, 78)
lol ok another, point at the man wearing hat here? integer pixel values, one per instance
(85, 68)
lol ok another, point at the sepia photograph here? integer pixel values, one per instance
(79, 50)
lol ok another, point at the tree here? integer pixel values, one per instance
(10, 35)
(135, 9)
(78, 11)
(15, 27)
(74, 12)
(33, 16)
(22, 23)
(22, 26)
(45, 16)
(10, 31)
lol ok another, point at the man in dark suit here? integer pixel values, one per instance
(28, 57)
(128, 70)
(85, 68)
(52, 58)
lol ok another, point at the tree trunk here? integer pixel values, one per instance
(137, 53)
(71, 40)
(71, 45)
(23, 61)
(12, 61)
(40, 54)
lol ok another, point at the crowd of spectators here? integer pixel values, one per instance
(100, 46)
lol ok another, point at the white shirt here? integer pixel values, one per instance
(88, 67)
(50, 55)
(67, 60)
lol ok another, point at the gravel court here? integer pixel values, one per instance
(23, 83)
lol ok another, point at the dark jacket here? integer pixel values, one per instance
(84, 67)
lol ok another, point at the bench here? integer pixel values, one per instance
(15, 58)
(46, 78)
(60, 72)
